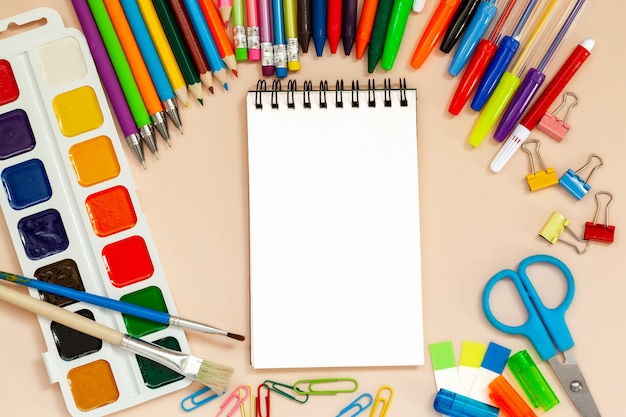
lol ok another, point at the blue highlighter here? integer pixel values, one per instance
(456, 405)
(475, 30)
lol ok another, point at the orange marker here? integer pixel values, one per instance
(138, 66)
(364, 29)
(434, 31)
(214, 19)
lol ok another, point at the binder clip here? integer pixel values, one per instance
(573, 183)
(554, 228)
(544, 178)
(554, 127)
(600, 232)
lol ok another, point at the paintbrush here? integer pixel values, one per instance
(117, 305)
(213, 375)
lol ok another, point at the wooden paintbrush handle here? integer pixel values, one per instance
(60, 315)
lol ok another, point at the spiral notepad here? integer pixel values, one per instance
(335, 270)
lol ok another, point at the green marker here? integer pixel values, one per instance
(124, 73)
(532, 381)
(395, 31)
(379, 32)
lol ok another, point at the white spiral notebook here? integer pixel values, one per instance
(335, 269)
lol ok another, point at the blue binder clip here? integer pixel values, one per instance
(573, 183)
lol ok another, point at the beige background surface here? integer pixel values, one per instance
(474, 223)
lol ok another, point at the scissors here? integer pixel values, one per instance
(546, 328)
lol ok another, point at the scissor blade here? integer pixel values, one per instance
(574, 383)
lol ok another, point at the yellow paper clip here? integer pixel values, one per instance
(554, 228)
(383, 401)
(345, 385)
(360, 404)
(239, 395)
(544, 178)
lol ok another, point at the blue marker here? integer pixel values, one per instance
(473, 34)
(280, 41)
(457, 405)
(319, 8)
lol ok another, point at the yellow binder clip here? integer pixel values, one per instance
(544, 178)
(554, 228)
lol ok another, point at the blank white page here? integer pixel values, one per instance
(335, 273)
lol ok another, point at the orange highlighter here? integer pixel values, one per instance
(434, 31)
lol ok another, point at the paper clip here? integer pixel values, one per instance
(544, 178)
(554, 127)
(257, 401)
(554, 228)
(239, 395)
(193, 401)
(358, 404)
(573, 183)
(600, 232)
(379, 399)
(353, 385)
(276, 387)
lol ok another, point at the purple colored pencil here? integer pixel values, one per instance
(109, 79)
(265, 36)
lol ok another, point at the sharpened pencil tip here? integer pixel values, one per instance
(211, 90)
(235, 73)
(236, 336)
(226, 86)
(201, 101)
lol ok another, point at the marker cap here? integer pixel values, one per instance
(508, 400)
(532, 381)
(457, 405)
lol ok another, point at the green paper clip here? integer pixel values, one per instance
(325, 381)
(276, 387)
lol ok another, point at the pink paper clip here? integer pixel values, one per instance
(554, 127)
(239, 394)
(259, 407)
(601, 232)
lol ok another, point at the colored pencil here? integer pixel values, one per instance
(212, 16)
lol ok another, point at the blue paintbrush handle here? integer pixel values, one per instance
(117, 305)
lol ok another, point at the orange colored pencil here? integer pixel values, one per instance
(364, 29)
(214, 19)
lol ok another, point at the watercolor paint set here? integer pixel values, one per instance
(71, 208)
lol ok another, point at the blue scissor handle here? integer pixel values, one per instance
(545, 326)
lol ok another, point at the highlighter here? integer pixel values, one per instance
(508, 400)
(478, 25)
(532, 381)
(434, 31)
(458, 24)
(457, 405)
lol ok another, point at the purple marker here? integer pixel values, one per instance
(265, 36)
(109, 80)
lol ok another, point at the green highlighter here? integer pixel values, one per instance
(532, 381)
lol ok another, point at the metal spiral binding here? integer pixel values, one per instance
(355, 93)
(339, 94)
(292, 85)
(371, 93)
(276, 87)
(323, 90)
(306, 94)
(261, 86)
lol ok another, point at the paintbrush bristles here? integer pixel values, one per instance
(214, 376)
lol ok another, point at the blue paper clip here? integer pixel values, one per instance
(379, 399)
(193, 401)
(239, 395)
(573, 183)
(353, 385)
(276, 387)
(358, 404)
(257, 402)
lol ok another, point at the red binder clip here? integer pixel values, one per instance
(600, 232)
(544, 178)
(554, 127)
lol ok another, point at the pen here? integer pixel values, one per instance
(433, 32)
(116, 305)
(364, 28)
(348, 24)
(480, 59)
(379, 32)
(291, 34)
(240, 40)
(252, 31)
(153, 62)
(521, 132)
(333, 24)
(138, 68)
(280, 43)
(478, 24)
(318, 24)
(508, 83)
(458, 23)
(109, 80)
(395, 31)
(265, 36)
(304, 24)
(533, 80)
(507, 50)
(124, 73)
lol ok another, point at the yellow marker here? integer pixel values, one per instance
(164, 50)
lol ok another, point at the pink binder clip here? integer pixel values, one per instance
(554, 127)
(600, 232)
(239, 395)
